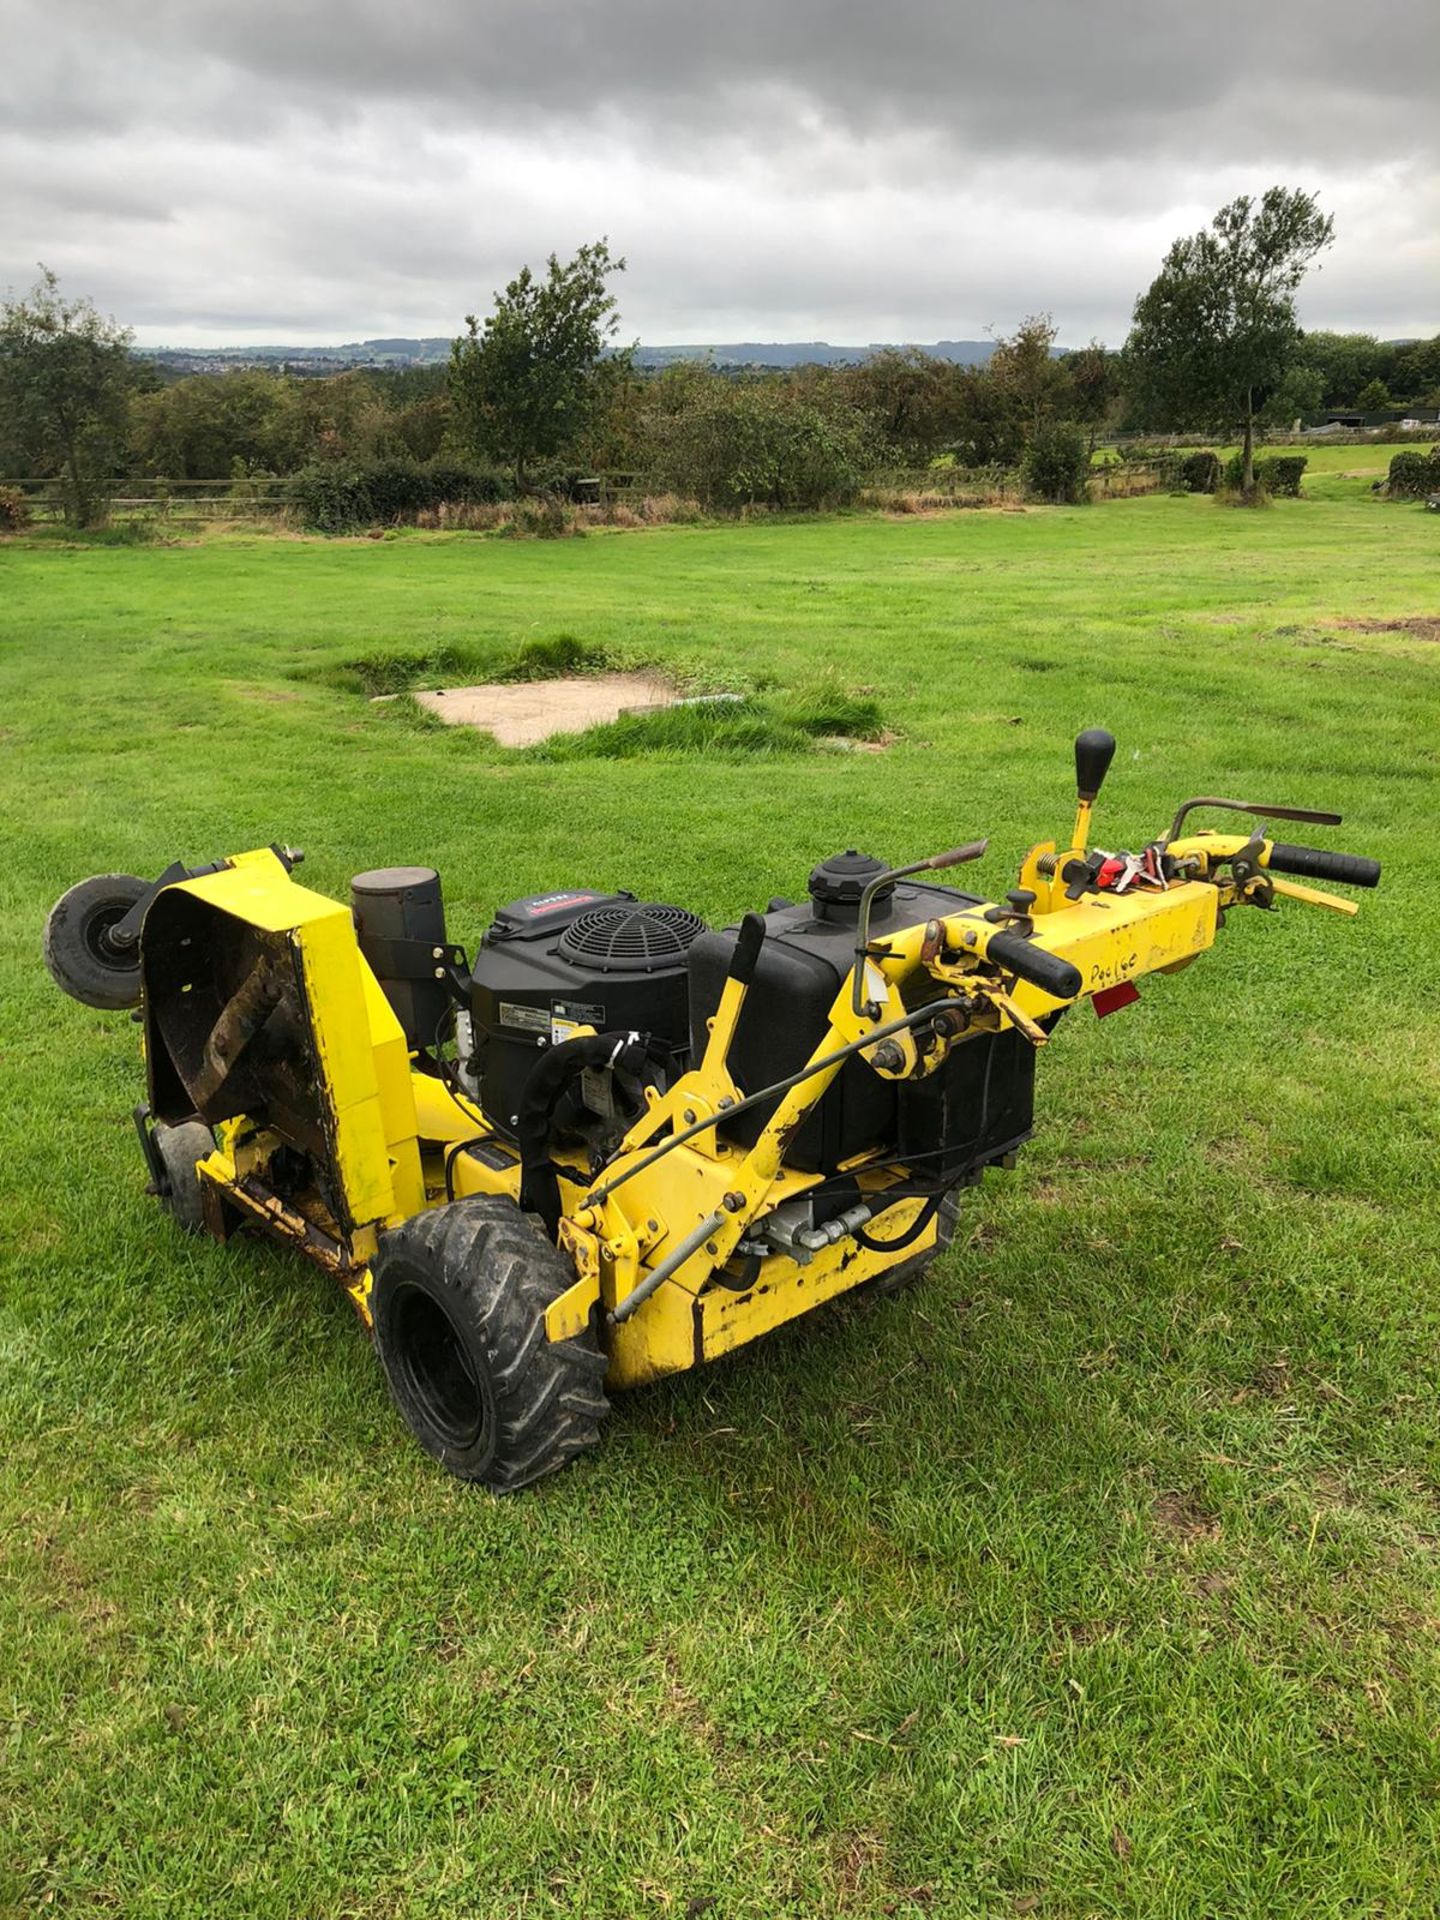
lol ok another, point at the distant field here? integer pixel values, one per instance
(1326, 464)
(1097, 1575)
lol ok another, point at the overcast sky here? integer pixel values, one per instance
(326, 170)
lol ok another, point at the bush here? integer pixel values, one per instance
(397, 489)
(1413, 474)
(1199, 472)
(1277, 474)
(346, 496)
(561, 480)
(331, 496)
(546, 517)
(736, 444)
(14, 510)
(1057, 465)
(453, 484)
(1281, 474)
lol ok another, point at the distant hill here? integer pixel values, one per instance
(804, 353)
(433, 352)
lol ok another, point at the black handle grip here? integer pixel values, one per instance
(1040, 967)
(1094, 750)
(1318, 863)
(747, 949)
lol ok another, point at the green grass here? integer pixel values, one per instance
(1095, 1576)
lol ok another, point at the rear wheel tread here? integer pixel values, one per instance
(492, 1274)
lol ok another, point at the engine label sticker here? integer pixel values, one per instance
(578, 1013)
(567, 1017)
(528, 1019)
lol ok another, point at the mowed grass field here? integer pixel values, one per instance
(1095, 1575)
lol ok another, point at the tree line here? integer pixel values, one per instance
(540, 392)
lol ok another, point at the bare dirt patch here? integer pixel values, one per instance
(523, 713)
(1183, 1518)
(1424, 626)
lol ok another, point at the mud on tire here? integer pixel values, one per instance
(459, 1303)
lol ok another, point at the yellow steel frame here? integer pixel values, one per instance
(402, 1140)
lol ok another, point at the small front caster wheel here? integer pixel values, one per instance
(79, 952)
(181, 1149)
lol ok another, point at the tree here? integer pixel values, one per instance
(66, 376)
(1216, 330)
(1346, 361)
(1298, 393)
(1057, 463)
(1094, 386)
(1026, 372)
(910, 396)
(987, 432)
(1416, 370)
(526, 384)
(1374, 397)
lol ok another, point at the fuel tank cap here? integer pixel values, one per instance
(837, 883)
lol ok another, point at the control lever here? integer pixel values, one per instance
(1094, 750)
(1246, 806)
(972, 850)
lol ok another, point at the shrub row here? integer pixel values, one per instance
(338, 496)
(1412, 474)
(1278, 473)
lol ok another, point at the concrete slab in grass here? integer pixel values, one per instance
(520, 714)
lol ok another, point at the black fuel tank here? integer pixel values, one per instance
(977, 1106)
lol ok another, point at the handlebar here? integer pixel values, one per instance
(1319, 863)
(1043, 969)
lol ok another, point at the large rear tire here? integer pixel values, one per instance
(77, 950)
(459, 1301)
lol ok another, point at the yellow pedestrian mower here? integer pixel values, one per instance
(622, 1144)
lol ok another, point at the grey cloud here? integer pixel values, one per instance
(1057, 76)
(325, 170)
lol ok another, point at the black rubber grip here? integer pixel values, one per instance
(1318, 863)
(1041, 968)
(747, 949)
